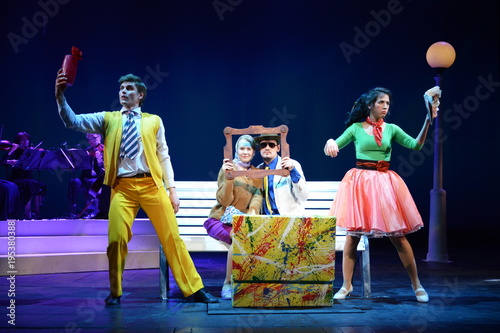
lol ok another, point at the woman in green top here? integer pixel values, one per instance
(373, 200)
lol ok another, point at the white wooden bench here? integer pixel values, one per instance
(198, 198)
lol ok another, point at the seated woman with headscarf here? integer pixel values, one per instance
(239, 195)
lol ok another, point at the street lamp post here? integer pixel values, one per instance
(440, 56)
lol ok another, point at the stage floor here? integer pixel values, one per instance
(465, 297)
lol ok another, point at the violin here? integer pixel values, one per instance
(5, 145)
(37, 147)
(95, 150)
(23, 148)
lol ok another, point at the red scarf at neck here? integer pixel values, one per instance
(377, 129)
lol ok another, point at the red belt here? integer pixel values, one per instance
(381, 166)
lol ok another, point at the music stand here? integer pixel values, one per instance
(29, 160)
(33, 159)
(79, 158)
(76, 159)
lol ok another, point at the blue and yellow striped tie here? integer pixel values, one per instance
(130, 139)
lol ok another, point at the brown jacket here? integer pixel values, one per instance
(241, 192)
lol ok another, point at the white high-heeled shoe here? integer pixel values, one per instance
(227, 291)
(423, 297)
(342, 293)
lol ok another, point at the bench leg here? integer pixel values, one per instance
(164, 281)
(366, 277)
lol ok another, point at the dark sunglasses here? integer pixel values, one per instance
(265, 144)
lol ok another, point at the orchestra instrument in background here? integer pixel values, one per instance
(11, 147)
(98, 153)
(6, 145)
(23, 158)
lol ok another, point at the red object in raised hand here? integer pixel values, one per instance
(70, 64)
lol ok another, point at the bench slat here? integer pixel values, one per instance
(192, 221)
(203, 244)
(185, 185)
(188, 212)
(321, 196)
(193, 231)
(310, 204)
(203, 204)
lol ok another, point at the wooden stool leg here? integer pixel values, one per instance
(367, 291)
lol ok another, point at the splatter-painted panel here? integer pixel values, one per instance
(283, 261)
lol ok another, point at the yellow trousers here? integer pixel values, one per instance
(127, 196)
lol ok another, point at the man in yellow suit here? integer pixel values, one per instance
(139, 172)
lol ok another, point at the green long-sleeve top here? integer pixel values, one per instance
(367, 148)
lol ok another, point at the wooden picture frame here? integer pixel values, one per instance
(282, 130)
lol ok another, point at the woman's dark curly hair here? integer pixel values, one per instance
(360, 109)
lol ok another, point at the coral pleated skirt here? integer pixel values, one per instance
(375, 204)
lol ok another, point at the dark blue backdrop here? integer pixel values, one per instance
(211, 64)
